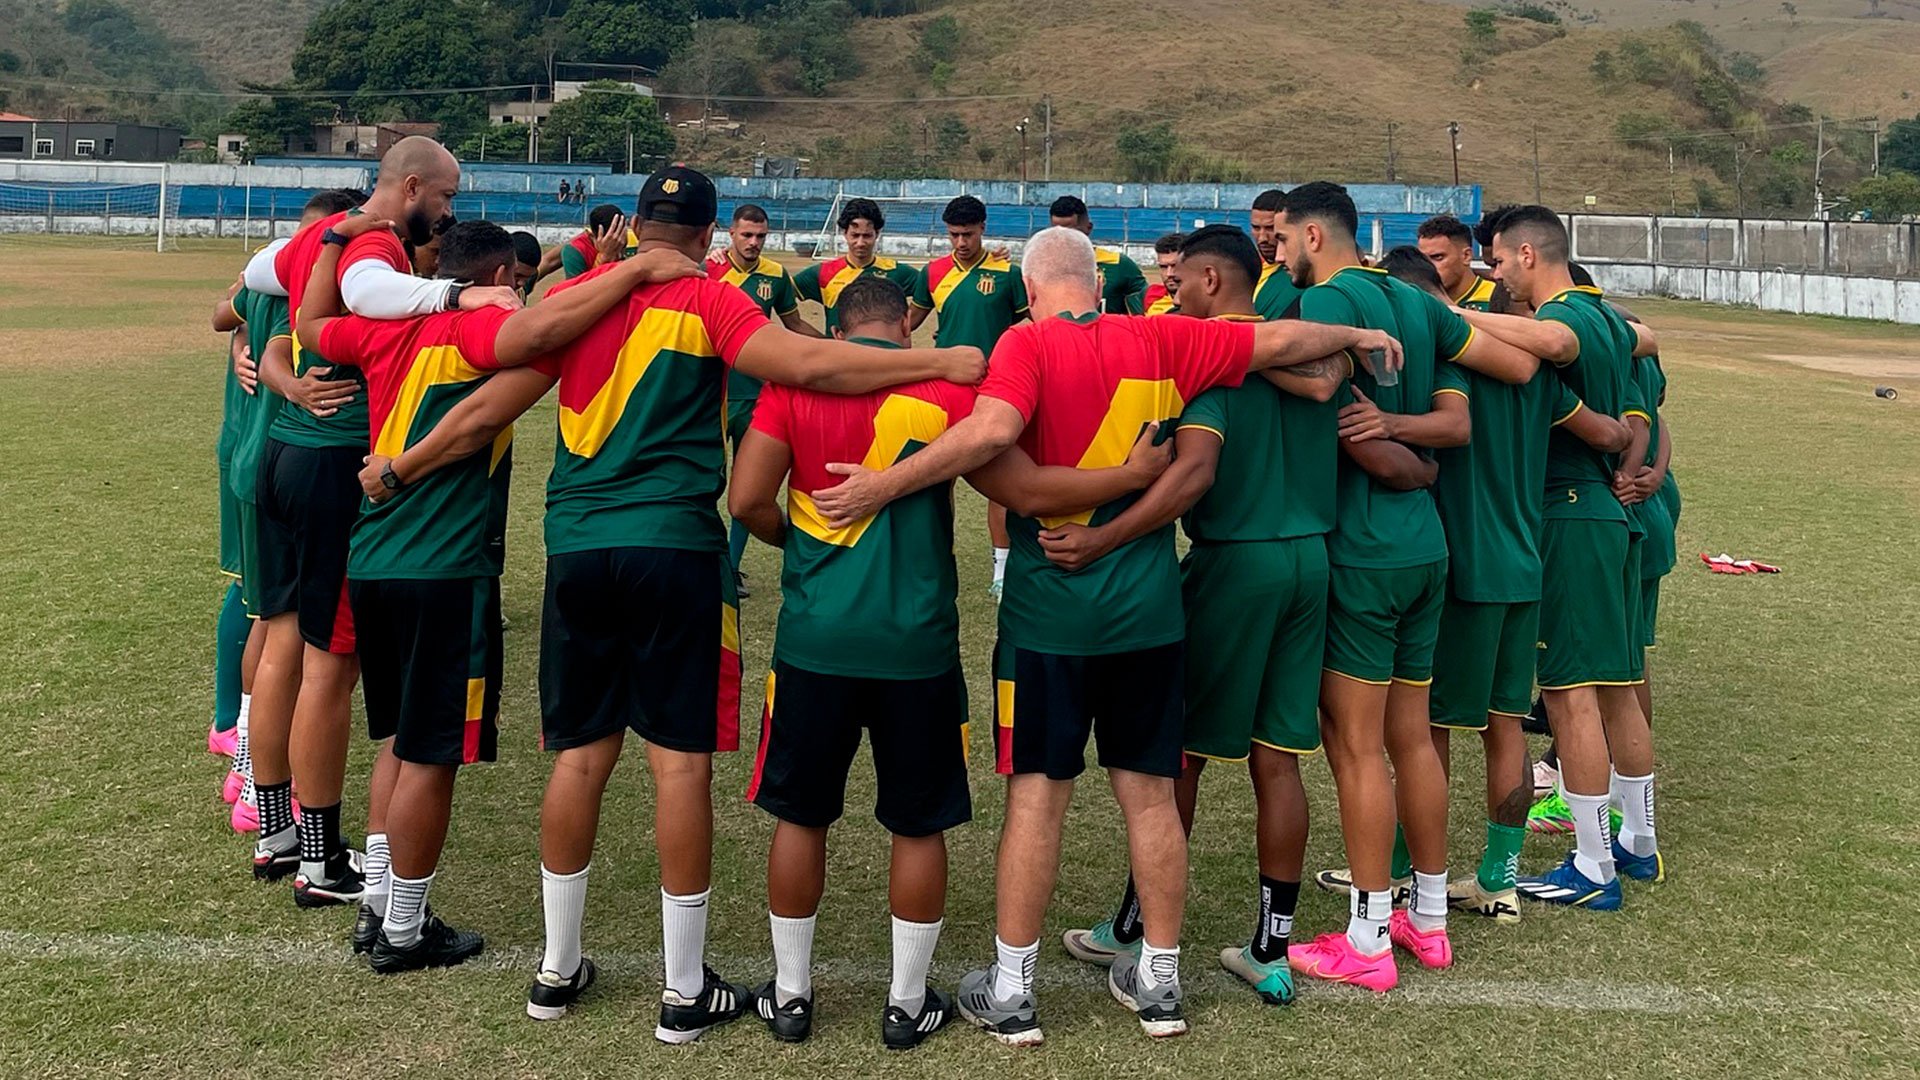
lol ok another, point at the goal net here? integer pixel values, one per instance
(131, 206)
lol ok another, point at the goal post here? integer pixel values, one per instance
(914, 228)
(122, 205)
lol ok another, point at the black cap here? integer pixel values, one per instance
(677, 195)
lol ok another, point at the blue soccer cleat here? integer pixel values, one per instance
(1567, 886)
(1640, 868)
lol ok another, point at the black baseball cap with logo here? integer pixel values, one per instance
(677, 195)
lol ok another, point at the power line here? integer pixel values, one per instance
(304, 94)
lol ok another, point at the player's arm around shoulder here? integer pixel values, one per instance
(1537, 339)
(468, 428)
(1196, 461)
(753, 492)
(986, 433)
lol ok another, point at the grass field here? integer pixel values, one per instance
(133, 942)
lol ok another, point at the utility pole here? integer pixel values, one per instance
(1021, 127)
(1876, 146)
(629, 150)
(1673, 183)
(1453, 140)
(1046, 141)
(1819, 155)
(1536, 164)
(1391, 163)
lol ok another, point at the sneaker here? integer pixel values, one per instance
(551, 995)
(1546, 778)
(901, 1030)
(245, 817)
(1273, 982)
(684, 1019)
(366, 929)
(1333, 958)
(1157, 1006)
(231, 787)
(1430, 947)
(1567, 886)
(439, 945)
(1467, 894)
(224, 743)
(1550, 815)
(790, 1023)
(341, 885)
(1014, 1021)
(272, 865)
(1341, 881)
(1098, 945)
(1639, 867)
(740, 590)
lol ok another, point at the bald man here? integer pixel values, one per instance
(309, 496)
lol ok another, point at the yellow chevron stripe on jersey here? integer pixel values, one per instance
(1136, 402)
(1106, 257)
(659, 330)
(1480, 292)
(849, 273)
(956, 275)
(900, 420)
(436, 365)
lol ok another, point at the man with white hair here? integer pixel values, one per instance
(1099, 651)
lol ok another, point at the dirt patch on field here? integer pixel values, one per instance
(99, 347)
(1864, 365)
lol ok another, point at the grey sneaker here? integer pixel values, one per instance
(1013, 1021)
(1158, 1008)
(1340, 882)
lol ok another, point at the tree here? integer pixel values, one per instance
(949, 135)
(274, 125)
(722, 59)
(1901, 147)
(598, 122)
(1480, 26)
(1602, 66)
(1147, 151)
(1888, 197)
(813, 32)
(645, 32)
(361, 47)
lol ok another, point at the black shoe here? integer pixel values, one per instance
(901, 1031)
(366, 930)
(791, 1022)
(550, 995)
(342, 884)
(740, 590)
(683, 1020)
(1535, 722)
(440, 945)
(271, 865)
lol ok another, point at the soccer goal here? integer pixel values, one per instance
(127, 205)
(914, 228)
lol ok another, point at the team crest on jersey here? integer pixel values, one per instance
(986, 285)
(766, 290)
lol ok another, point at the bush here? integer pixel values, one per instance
(1888, 197)
(1603, 68)
(1527, 9)
(1481, 28)
(1745, 67)
(1147, 151)
(941, 39)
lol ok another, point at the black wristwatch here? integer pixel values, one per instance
(328, 236)
(389, 478)
(453, 295)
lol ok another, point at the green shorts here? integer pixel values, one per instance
(1483, 662)
(1636, 627)
(249, 518)
(1256, 629)
(1589, 592)
(1382, 624)
(229, 527)
(1649, 609)
(739, 415)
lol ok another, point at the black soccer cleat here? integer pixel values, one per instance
(439, 945)
(366, 930)
(551, 995)
(683, 1020)
(271, 865)
(902, 1031)
(1535, 722)
(790, 1023)
(341, 884)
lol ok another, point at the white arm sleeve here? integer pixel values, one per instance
(375, 290)
(260, 274)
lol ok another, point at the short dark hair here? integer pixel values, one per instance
(1408, 264)
(602, 216)
(1169, 243)
(750, 212)
(965, 210)
(1270, 200)
(1532, 224)
(1068, 206)
(1446, 227)
(1228, 244)
(856, 209)
(336, 200)
(871, 298)
(1326, 202)
(474, 250)
(526, 248)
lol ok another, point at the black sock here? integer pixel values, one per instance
(276, 807)
(319, 833)
(1277, 900)
(1127, 927)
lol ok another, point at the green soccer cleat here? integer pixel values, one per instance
(1273, 982)
(1550, 815)
(1098, 946)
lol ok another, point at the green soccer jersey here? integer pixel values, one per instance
(235, 407)
(1377, 527)
(266, 319)
(769, 286)
(1580, 478)
(1479, 295)
(1279, 461)
(975, 304)
(1275, 294)
(822, 282)
(1654, 516)
(1123, 288)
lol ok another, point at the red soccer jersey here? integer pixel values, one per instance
(294, 263)
(1157, 301)
(583, 243)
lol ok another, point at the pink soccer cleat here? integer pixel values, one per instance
(1430, 947)
(231, 789)
(1333, 958)
(224, 743)
(245, 818)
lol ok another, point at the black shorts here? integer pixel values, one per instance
(811, 730)
(1045, 705)
(647, 638)
(430, 665)
(309, 499)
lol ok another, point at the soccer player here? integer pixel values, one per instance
(605, 239)
(1274, 295)
(1642, 489)
(861, 222)
(1255, 481)
(1590, 655)
(231, 628)
(526, 263)
(770, 287)
(1161, 298)
(1123, 288)
(640, 627)
(1099, 651)
(1448, 244)
(978, 297)
(1387, 585)
(309, 498)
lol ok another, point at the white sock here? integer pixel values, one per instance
(683, 922)
(376, 868)
(242, 756)
(1636, 813)
(1158, 965)
(1613, 788)
(999, 564)
(406, 909)
(1013, 968)
(1593, 844)
(913, 944)
(1429, 910)
(564, 899)
(792, 957)
(1367, 914)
